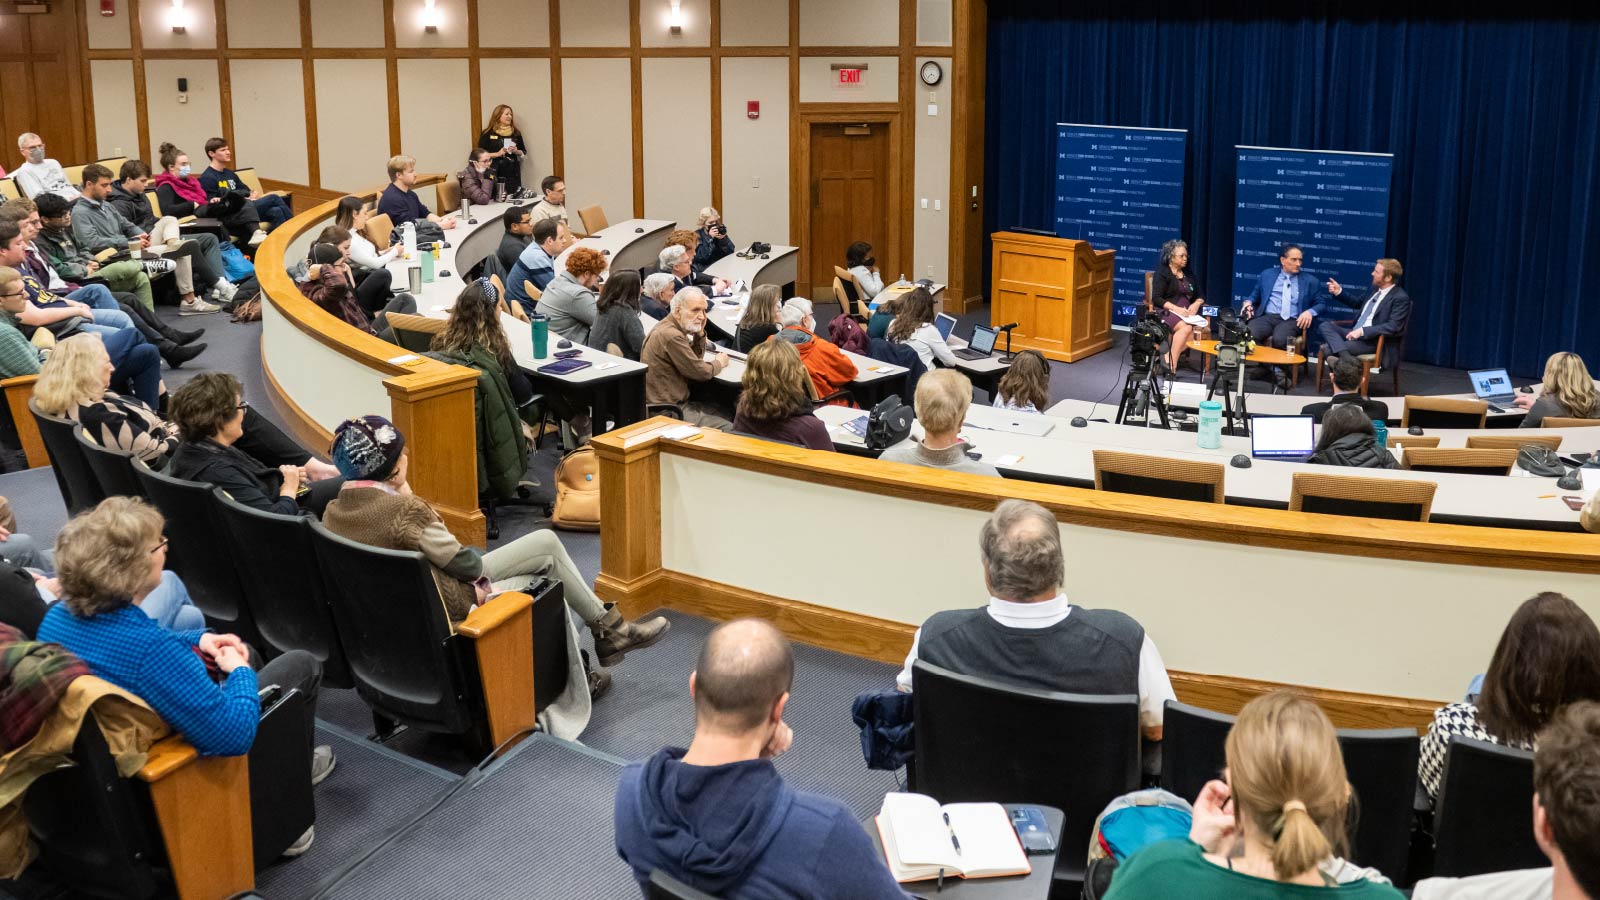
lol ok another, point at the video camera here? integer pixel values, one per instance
(1145, 337)
(1233, 339)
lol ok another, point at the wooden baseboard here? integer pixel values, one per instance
(889, 642)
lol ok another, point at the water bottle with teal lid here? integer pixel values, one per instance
(541, 335)
(427, 267)
(1210, 432)
(1380, 429)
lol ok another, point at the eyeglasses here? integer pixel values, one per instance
(15, 294)
(242, 404)
(160, 546)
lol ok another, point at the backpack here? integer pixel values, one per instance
(237, 266)
(1128, 823)
(247, 303)
(847, 333)
(578, 491)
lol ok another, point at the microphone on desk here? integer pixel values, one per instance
(1007, 356)
(1005, 327)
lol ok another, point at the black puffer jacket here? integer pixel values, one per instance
(1357, 450)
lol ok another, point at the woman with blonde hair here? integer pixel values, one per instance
(712, 241)
(1568, 392)
(760, 319)
(1262, 831)
(505, 146)
(914, 327)
(774, 402)
(1026, 385)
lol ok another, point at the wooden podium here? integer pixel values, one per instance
(1058, 291)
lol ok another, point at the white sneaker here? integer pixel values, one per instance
(226, 289)
(301, 844)
(322, 763)
(197, 307)
(257, 238)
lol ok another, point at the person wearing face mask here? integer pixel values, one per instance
(676, 352)
(829, 368)
(863, 265)
(181, 194)
(127, 197)
(38, 175)
(570, 300)
(477, 182)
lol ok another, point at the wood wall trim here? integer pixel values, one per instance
(141, 100)
(636, 88)
(392, 73)
(90, 136)
(906, 91)
(968, 55)
(716, 104)
(224, 81)
(474, 76)
(558, 152)
(308, 81)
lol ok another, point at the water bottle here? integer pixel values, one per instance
(1210, 431)
(1381, 429)
(541, 335)
(466, 211)
(408, 239)
(427, 267)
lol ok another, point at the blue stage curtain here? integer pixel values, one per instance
(1494, 125)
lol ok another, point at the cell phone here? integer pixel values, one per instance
(1032, 830)
(1573, 502)
(568, 354)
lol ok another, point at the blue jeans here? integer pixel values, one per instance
(24, 550)
(168, 604)
(97, 296)
(136, 365)
(272, 210)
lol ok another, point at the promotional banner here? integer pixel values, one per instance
(1122, 189)
(1334, 204)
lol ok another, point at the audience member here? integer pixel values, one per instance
(506, 149)
(569, 299)
(18, 355)
(718, 816)
(1346, 377)
(181, 194)
(914, 327)
(775, 399)
(537, 264)
(476, 181)
(1566, 820)
(1548, 656)
(21, 549)
(473, 335)
(712, 241)
(830, 369)
(676, 353)
(863, 265)
(1264, 830)
(210, 413)
(941, 403)
(377, 507)
(1384, 310)
(884, 315)
(655, 297)
(61, 248)
(1026, 385)
(128, 198)
(1348, 439)
(218, 179)
(554, 204)
(371, 286)
(400, 203)
(1031, 635)
(1173, 291)
(38, 175)
(519, 234)
(108, 562)
(1589, 516)
(679, 263)
(332, 286)
(98, 227)
(760, 318)
(616, 322)
(1568, 392)
(352, 215)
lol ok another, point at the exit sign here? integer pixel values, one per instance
(850, 77)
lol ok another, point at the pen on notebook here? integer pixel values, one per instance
(955, 843)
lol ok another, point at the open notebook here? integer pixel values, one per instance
(917, 843)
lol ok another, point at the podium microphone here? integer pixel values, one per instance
(1006, 357)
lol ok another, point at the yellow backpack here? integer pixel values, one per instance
(578, 491)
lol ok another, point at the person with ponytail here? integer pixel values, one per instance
(1264, 831)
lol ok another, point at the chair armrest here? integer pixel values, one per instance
(842, 394)
(19, 391)
(186, 220)
(105, 254)
(202, 805)
(514, 310)
(501, 632)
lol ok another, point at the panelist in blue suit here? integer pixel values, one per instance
(1284, 300)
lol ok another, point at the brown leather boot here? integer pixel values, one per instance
(614, 636)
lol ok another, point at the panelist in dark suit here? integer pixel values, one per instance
(1346, 383)
(1173, 293)
(1384, 310)
(1284, 300)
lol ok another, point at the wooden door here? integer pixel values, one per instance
(42, 85)
(849, 181)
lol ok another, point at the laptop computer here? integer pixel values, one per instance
(1493, 385)
(1281, 437)
(982, 344)
(946, 323)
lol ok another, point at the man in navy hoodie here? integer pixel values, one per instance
(718, 816)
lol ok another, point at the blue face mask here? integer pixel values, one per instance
(183, 171)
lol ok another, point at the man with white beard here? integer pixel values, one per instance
(675, 351)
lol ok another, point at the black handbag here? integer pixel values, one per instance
(889, 423)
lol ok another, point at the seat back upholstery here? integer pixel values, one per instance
(1483, 821)
(283, 586)
(1443, 412)
(379, 229)
(1382, 767)
(1513, 441)
(80, 490)
(1158, 476)
(9, 190)
(415, 333)
(448, 195)
(593, 219)
(1459, 459)
(1193, 742)
(112, 468)
(1372, 498)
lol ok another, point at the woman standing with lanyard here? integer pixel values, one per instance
(506, 148)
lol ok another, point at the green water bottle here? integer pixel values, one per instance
(426, 259)
(541, 335)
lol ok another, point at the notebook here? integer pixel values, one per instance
(977, 842)
(945, 323)
(1493, 385)
(1281, 437)
(981, 345)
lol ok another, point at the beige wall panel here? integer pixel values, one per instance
(849, 23)
(263, 23)
(514, 23)
(189, 125)
(934, 23)
(435, 113)
(347, 23)
(931, 227)
(107, 32)
(525, 84)
(677, 138)
(655, 28)
(755, 23)
(820, 84)
(594, 23)
(116, 118)
(269, 118)
(352, 123)
(755, 154)
(408, 24)
(155, 26)
(597, 102)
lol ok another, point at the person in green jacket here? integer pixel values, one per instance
(77, 264)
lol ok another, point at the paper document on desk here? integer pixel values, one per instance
(734, 288)
(1187, 390)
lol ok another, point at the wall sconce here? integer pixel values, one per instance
(178, 17)
(675, 17)
(430, 17)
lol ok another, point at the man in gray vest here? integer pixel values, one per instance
(1031, 636)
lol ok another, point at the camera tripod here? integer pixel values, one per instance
(1225, 380)
(1139, 392)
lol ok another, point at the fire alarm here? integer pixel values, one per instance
(108, 7)
(752, 108)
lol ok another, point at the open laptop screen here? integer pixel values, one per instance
(1281, 437)
(982, 339)
(1491, 382)
(945, 323)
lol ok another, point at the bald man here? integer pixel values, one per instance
(718, 816)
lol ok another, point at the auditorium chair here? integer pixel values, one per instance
(1158, 476)
(1443, 412)
(253, 182)
(665, 887)
(1483, 821)
(1459, 460)
(593, 219)
(112, 468)
(1382, 767)
(1391, 350)
(74, 174)
(9, 190)
(849, 293)
(474, 680)
(448, 195)
(1368, 498)
(415, 333)
(1192, 741)
(282, 584)
(80, 490)
(1564, 422)
(1401, 439)
(378, 230)
(1514, 441)
(972, 746)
